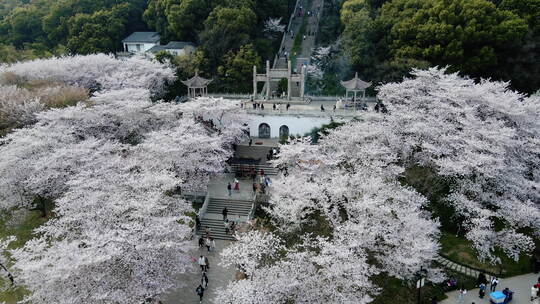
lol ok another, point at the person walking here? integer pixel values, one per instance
(461, 294)
(227, 225)
(201, 242)
(212, 244)
(288, 106)
(224, 213)
(535, 295)
(200, 292)
(494, 283)
(250, 142)
(481, 290)
(207, 243)
(206, 264)
(207, 231)
(197, 222)
(322, 108)
(236, 185)
(202, 263)
(204, 280)
(229, 188)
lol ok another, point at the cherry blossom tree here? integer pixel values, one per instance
(120, 232)
(95, 72)
(342, 206)
(347, 198)
(480, 137)
(115, 168)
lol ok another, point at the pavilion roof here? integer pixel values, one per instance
(355, 84)
(196, 81)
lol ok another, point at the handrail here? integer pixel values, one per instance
(202, 211)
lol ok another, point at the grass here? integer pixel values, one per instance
(22, 229)
(461, 251)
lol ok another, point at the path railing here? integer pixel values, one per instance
(204, 207)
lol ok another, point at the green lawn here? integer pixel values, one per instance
(22, 228)
(460, 250)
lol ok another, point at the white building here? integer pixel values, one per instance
(141, 42)
(174, 48)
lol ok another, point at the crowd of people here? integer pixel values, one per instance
(203, 262)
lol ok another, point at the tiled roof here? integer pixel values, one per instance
(144, 37)
(355, 84)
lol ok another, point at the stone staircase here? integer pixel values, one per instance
(461, 268)
(244, 170)
(213, 218)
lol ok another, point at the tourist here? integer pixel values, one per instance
(304, 37)
(202, 263)
(482, 290)
(262, 172)
(334, 108)
(494, 283)
(274, 106)
(204, 280)
(197, 222)
(254, 106)
(200, 292)
(288, 106)
(212, 244)
(207, 243)
(206, 264)
(507, 295)
(253, 174)
(254, 187)
(201, 242)
(322, 108)
(250, 142)
(535, 295)
(461, 294)
(229, 188)
(227, 226)
(262, 106)
(236, 185)
(224, 213)
(207, 231)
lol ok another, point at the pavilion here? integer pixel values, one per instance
(355, 85)
(197, 86)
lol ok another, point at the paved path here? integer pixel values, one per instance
(521, 285)
(218, 278)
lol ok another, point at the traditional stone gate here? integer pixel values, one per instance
(277, 75)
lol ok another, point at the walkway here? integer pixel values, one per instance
(521, 285)
(312, 26)
(218, 278)
(460, 268)
(239, 203)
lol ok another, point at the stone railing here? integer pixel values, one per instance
(204, 207)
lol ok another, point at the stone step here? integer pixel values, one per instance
(219, 210)
(244, 212)
(217, 229)
(228, 200)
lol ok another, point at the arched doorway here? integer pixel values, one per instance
(283, 132)
(264, 130)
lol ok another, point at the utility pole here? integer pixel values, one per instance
(421, 279)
